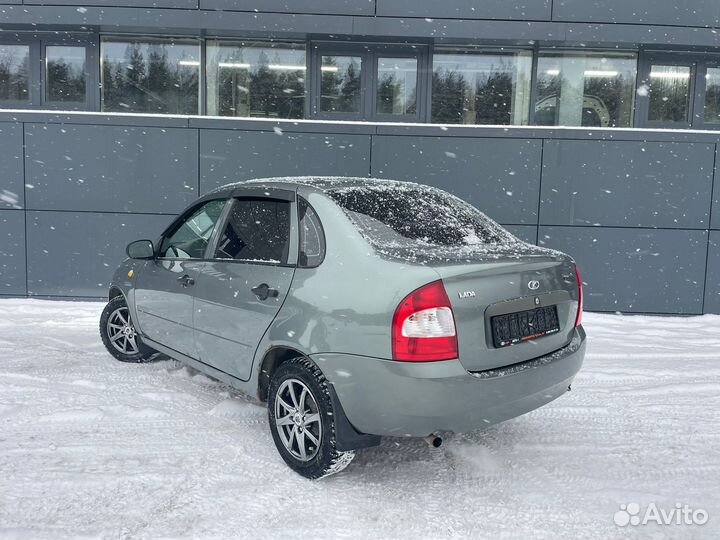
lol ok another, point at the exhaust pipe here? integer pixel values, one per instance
(434, 440)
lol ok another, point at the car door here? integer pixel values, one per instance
(164, 287)
(241, 289)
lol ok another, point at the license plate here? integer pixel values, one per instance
(524, 325)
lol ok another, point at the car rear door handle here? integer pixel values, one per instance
(186, 281)
(263, 291)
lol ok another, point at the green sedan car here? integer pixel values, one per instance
(355, 308)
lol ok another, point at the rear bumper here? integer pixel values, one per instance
(382, 397)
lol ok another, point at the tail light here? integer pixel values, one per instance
(578, 318)
(423, 328)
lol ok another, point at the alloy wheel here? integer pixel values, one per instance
(297, 419)
(121, 332)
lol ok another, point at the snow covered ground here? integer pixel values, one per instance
(92, 448)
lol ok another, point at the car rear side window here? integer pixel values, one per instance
(402, 215)
(257, 230)
(312, 237)
(191, 236)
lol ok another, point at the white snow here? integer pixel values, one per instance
(92, 448)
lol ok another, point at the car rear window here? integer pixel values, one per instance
(410, 216)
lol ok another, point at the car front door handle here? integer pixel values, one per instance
(186, 281)
(263, 291)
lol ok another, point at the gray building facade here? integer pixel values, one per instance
(589, 127)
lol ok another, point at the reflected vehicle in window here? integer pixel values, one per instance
(355, 308)
(586, 89)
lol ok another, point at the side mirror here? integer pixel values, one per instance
(140, 249)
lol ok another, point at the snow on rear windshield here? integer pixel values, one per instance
(415, 216)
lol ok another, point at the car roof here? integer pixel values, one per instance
(319, 183)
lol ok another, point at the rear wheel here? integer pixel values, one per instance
(119, 335)
(302, 420)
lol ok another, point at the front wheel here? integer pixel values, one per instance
(118, 333)
(302, 420)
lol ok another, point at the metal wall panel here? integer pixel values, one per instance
(231, 156)
(12, 252)
(527, 233)
(175, 4)
(76, 253)
(106, 168)
(712, 281)
(627, 184)
(500, 177)
(11, 166)
(636, 270)
(526, 10)
(703, 13)
(334, 7)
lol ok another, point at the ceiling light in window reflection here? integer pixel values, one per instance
(669, 75)
(332, 69)
(587, 73)
(600, 73)
(286, 67)
(193, 63)
(235, 65)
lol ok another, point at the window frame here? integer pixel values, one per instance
(278, 194)
(180, 221)
(235, 41)
(35, 73)
(479, 50)
(714, 63)
(642, 103)
(323, 238)
(369, 54)
(92, 72)
(537, 52)
(147, 38)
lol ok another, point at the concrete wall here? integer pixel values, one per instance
(637, 211)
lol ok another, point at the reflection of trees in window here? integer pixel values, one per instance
(65, 81)
(391, 96)
(65, 74)
(340, 87)
(712, 96)
(483, 98)
(493, 99)
(14, 73)
(145, 79)
(263, 89)
(450, 97)
(670, 93)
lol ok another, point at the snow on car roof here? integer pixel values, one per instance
(322, 183)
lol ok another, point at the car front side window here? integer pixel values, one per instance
(190, 238)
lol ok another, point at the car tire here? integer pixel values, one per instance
(300, 411)
(118, 333)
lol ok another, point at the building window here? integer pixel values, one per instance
(256, 79)
(712, 96)
(368, 82)
(396, 86)
(481, 87)
(669, 93)
(340, 84)
(581, 89)
(14, 73)
(65, 74)
(150, 75)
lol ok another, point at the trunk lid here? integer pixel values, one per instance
(504, 283)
